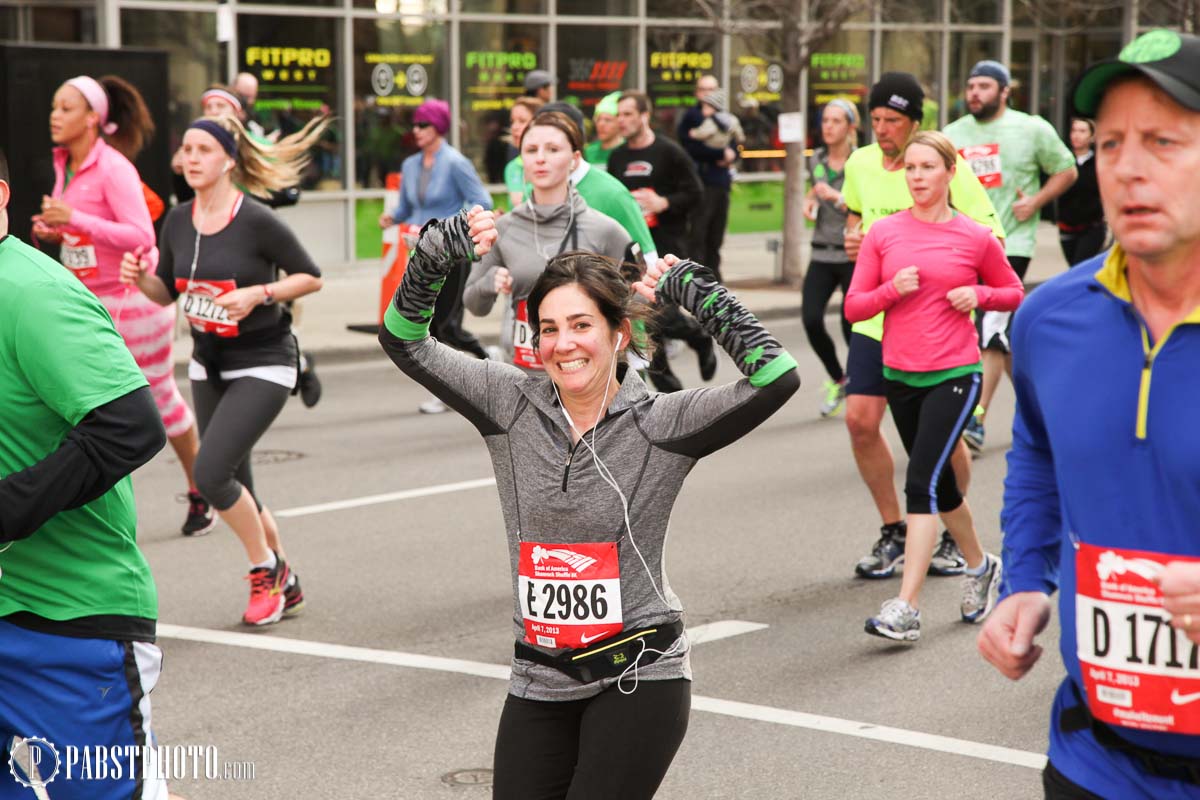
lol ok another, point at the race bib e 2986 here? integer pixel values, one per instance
(570, 593)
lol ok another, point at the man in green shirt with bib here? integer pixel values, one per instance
(874, 188)
(1007, 149)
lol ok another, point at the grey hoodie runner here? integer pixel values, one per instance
(529, 237)
(550, 491)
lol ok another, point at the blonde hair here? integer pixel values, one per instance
(263, 168)
(939, 143)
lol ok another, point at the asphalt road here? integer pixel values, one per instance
(350, 704)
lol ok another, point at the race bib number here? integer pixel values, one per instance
(570, 593)
(1138, 671)
(985, 163)
(78, 254)
(524, 353)
(201, 310)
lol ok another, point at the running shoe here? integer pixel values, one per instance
(897, 620)
(835, 397)
(200, 517)
(707, 357)
(947, 558)
(980, 591)
(267, 599)
(310, 384)
(884, 556)
(433, 406)
(293, 596)
(973, 434)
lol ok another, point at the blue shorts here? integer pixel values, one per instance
(864, 366)
(74, 694)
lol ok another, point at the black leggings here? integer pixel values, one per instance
(672, 323)
(1082, 245)
(447, 323)
(608, 746)
(820, 282)
(231, 420)
(1057, 786)
(930, 419)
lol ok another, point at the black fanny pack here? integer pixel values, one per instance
(609, 658)
(1161, 765)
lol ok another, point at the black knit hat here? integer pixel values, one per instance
(899, 91)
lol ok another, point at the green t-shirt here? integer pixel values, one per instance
(873, 193)
(1007, 154)
(514, 176)
(608, 195)
(595, 154)
(61, 357)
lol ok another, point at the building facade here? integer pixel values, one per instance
(371, 62)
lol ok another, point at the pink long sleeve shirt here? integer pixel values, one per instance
(108, 208)
(921, 331)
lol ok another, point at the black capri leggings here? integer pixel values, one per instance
(231, 420)
(820, 282)
(930, 420)
(608, 746)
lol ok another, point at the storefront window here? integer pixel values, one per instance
(966, 49)
(193, 58)
(593, 63)
(1160, 13)
(916, 52)
(842, 68)
(755, 96)
(505, 6)
(58, 24)
(296, 61)
(674, 60)
(596, 8)
(915, 11)
(397, 65)
(495, 57)
(404, 8)
(985, 12)
(687, 9)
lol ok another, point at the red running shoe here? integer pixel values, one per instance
(267, 598)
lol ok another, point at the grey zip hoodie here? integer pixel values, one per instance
(529, 237)
(550, 490)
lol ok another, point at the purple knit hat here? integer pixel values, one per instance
(436, 113)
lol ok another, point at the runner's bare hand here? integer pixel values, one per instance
(240, 302)
(1023, 208)
(654, 272)
(502, 281)
(133, 266)
(907, 281)
(1180, 584)
(47, 233)
(1006, 640)
(963, 298)
(55, 212)
(482, 223)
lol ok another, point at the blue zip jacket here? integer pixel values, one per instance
(1106, 452)
(453, 187)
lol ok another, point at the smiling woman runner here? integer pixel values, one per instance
(588, 465)
(224, 256)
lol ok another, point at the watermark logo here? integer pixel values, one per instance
(33, 762)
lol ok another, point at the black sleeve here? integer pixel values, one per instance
(687, 189)
(279, 244)
(109, 443)
(166, 256)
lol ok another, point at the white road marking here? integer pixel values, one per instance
(722, 630)
(390, 497)
(712, 705)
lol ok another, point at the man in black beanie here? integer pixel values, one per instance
(874, 188)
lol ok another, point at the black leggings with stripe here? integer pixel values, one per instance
(930, 420)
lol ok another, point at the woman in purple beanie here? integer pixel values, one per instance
(436, 183)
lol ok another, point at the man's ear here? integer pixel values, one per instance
(5, 194)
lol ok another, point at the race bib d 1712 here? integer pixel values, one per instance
(524, 353)
(985, 163)
(78, 254)
(570, 593)
(1138, 671)
(201, 310)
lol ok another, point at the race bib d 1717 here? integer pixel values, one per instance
(1138, 671)
(570, 593)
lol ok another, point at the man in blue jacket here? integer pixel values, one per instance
(1102, 497)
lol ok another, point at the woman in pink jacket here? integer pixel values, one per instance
(924, 267)
(96, 212)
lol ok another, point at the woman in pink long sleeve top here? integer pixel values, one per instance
(96, 212)
(923, 267)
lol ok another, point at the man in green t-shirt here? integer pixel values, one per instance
(874, 187)
(77, 601)
(1007, 149)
